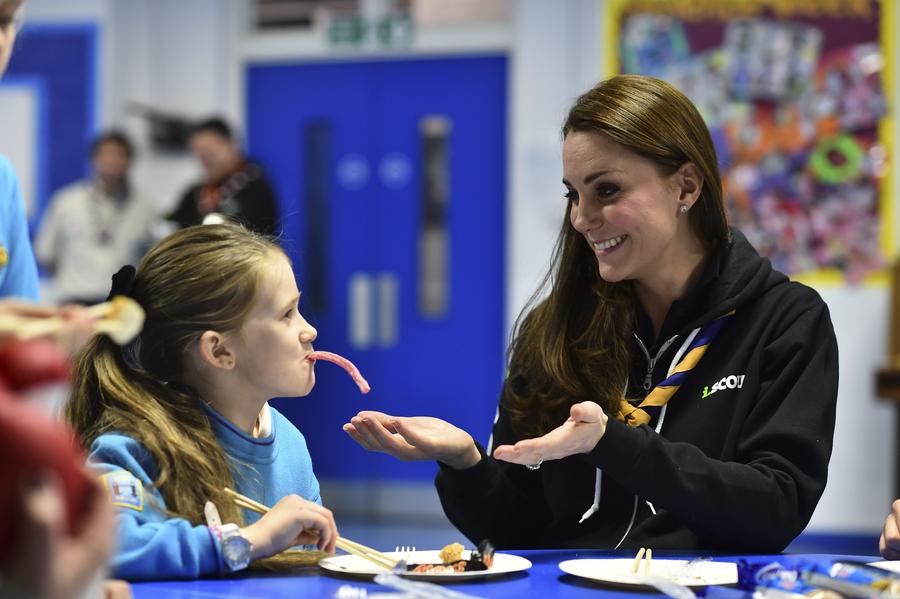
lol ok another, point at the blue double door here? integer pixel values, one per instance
(391, 178)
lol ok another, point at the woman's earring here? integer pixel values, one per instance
(683, 208)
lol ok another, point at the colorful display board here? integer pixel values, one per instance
(795, 93)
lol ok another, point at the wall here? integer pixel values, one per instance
(186, 57)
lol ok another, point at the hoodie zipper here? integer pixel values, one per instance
(651, 362)
(648, 383)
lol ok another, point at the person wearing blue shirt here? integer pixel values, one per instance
(180, 414)
(18, 270)
(273, 465)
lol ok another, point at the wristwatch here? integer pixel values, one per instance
(236, 547)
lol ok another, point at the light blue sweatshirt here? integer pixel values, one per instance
(153, 545)
(18, 270)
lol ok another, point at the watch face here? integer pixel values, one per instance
(236, 550)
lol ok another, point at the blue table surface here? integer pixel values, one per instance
(544, 578)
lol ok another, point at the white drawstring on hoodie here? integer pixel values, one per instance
(598, 479)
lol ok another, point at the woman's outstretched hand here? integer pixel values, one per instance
(889, 545)
(414, 439)
(579, 434)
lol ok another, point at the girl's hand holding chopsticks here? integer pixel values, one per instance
(352, 547)
(292, 521)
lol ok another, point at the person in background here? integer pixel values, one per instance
(94, 226)
(233, 188)
(672, 390)
(180, 414)
(18, 271)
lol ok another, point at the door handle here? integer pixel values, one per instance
(434, 230)
(364, 296)
(387, 310)
(359, 308)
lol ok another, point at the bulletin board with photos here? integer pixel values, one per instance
(795, 93)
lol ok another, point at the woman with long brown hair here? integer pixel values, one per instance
(671, 390)
(181, 413)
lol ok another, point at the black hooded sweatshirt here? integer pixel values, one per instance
(739, 462)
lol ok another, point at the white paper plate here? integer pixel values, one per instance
(618, 571)
(892, 565)
(504, 563)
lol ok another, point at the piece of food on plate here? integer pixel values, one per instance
(451, 553)
(480, 559)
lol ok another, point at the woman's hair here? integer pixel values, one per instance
(574, 345)
(197, 279)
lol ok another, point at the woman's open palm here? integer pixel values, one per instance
(413, 439)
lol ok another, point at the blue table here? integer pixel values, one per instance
(543, 579)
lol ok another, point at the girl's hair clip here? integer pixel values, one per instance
(122, 282)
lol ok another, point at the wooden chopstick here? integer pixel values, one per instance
(372, 555)
(376, 557)
(635, 567)
(248, 503)
(366, 552)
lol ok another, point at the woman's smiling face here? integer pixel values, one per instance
(626, 210)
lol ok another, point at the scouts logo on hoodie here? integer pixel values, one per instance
(4, 256)
(125, 489)
(732, 381)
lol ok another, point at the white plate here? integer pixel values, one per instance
(618, 571)
(504, 563)
(892, 565)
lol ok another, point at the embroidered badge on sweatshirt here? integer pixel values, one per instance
(125, 489)
(732, 381)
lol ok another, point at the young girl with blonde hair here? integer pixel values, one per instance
(181, 413)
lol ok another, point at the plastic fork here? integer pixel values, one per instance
(402, 553)
(417, 589)
(691, 569)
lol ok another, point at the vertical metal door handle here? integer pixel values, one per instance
(434, 225)
(359, 307)
(387, 309)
